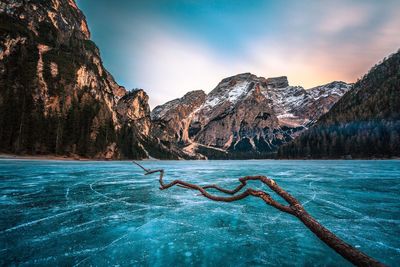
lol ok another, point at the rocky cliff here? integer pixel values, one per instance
(171, 121)
(56, 97)
(364, 123)
(245, 116)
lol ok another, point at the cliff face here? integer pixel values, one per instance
(364, 123)
(236, 116)
(171, 121)
(133, 109)
(245, 116)
(55, 94)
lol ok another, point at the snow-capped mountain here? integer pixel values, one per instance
(295, 106)
(244, 116)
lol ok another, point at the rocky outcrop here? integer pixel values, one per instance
(171, 121)
(246, 116)
(56, 97)
(277, 82)
(236, 116)
(296, 106)
(133, 109)
(320, 100)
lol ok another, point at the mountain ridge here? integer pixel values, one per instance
(57, 98)
(247, 112)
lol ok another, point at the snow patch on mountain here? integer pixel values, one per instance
(227, 93)
(237, 91)
(290, 102)
(334, 88)
(245, 113)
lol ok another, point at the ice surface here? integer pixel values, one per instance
(108, 213)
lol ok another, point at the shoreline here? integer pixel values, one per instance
(60, 158)
(78, 158)
(46, 157)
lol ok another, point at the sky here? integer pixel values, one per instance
(170, 47)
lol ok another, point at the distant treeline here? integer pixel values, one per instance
(364, 123)
(367, 139)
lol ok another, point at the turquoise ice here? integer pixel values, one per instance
(108, 213)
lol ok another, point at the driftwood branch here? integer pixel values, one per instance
(293, 207)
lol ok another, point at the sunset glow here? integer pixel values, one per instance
(171, 47)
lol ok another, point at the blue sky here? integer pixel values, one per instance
(169, 47)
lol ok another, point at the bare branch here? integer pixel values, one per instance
(294, 208)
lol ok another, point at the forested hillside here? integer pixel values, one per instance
(56, 97)
(364, 123)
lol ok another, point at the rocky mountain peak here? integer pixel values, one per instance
(245, 114)
(51, 21)
(192, 99)
(133, 109)
(334, 86)
(171, 120)
(139, 108)
(277, 82)
(240, 76)
(328, 91)
(230, 90)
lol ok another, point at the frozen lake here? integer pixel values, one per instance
(108, 213)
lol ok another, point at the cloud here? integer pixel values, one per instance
(333, 41)
(338, 18)
(312, 44)
(172, 64)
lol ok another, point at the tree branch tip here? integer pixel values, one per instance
(143, 168)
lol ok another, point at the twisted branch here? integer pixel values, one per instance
(293, 207)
